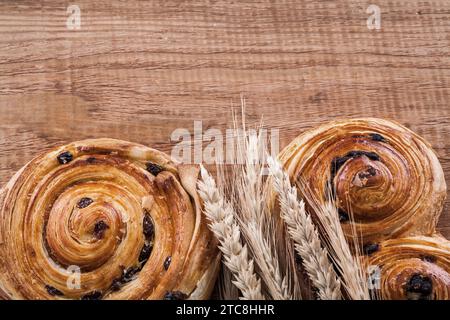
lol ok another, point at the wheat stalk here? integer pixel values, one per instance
(305, 236)
(223, 225)
(353, 277)
(255, 221)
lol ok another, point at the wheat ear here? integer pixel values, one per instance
(353, 277)
(223, 225)
(256, 223)
(305, 236)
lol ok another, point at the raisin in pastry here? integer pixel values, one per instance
(379, 172)
(414, 268)
(104, 219)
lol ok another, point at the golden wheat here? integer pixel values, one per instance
(250, 202)
(304, 234)
(223, 225)
(349, 267)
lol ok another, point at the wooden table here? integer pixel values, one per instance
(138, 70)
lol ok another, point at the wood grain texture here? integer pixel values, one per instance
(138, 70)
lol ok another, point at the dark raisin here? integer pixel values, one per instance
(84, 202)
(127, 276)
(94, 295)
(65, 157)
(354, 154)
(145, 252)
(419, 287)
(53, 291)
(167, 262)
(343, 216)
(130, 274)
(371, 248)
(148, 227)
(153, 168)
(99, 229)
(371, 155)
(116, 285)
(429, 258)
(372, 171)
(377, 137)
(338, 162)
(175, 295)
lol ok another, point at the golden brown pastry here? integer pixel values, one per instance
(380, 172)
(104, 219)
(412, 268)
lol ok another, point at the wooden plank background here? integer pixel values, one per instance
(137, 70)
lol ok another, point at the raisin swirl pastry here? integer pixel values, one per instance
(104, 219)
(382, 173)
(414, 268)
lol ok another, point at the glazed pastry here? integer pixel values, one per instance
(381, 173)
(415, 268)
(104, 219)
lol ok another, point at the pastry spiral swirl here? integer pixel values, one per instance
(104, 219)
(382, 173)
(414, 268)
